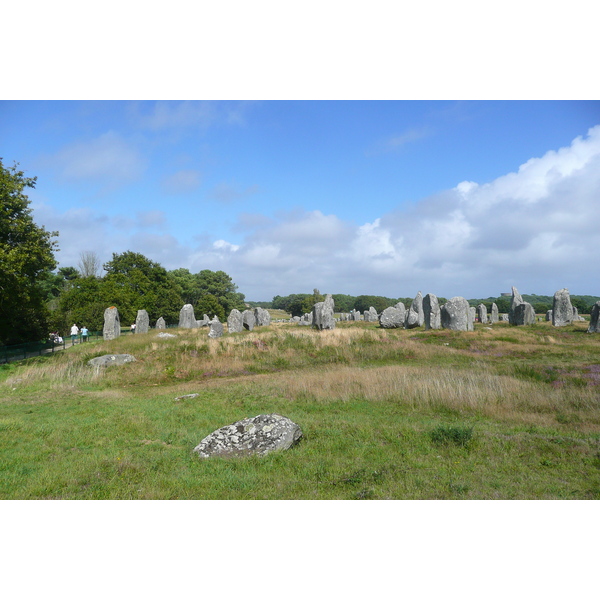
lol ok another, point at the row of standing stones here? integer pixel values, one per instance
(455, 314)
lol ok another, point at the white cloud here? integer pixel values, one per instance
(109, 159)
(536, 228)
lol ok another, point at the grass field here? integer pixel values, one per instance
(498, 413)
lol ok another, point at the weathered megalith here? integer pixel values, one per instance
(355, 315)
(111, 359)
(431, 312)
(248, 320)
(262, 317)
(455, 315)
(216, 328)
(549, 315)
(521, 312)
(160, 323)
(472, 315)
(323, 314)
(494, 313)
(524, 314)
(142, 321)
(257, 435)
(595, 319)
(204, 322)
(187, 319)
(576, 316)
(482, 313)
(371, 315)
(562, 310)
(112, 324)
(235, 322)
(415, 316)
(392, 318)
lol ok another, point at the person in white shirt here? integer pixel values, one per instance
(74, 333)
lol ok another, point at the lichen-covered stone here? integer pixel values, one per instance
(455, 315)
(248, 320)
(257, 435)
(142, 321)
(494, 313)
(562, 310)
(431, 312)
(112, 324)
(415, 316)
(234, 321)
(160, 323)
(111, 359)
(323, 314)
(187, 319)
(216, 328)
(371, 316)
(482, 313)
(595, 319)
(392, 318)
(262, 317)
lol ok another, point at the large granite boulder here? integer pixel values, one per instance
(235, 322)
(142, 321)
(562, 310)
(262, 317)
(455, 315)
(520, 312)
(595, 319)
(112, 324)
(415, 316)
(524, 314)
(323, 314)
(187, 319)
(257, 435)
(160, 323)
(371, 315)
(248, 320)
(216, 328)
(431, 312)
(109, 360)
(392, 318)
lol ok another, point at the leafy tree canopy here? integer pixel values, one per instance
(26, 252)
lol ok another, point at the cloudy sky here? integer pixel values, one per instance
(356, 197)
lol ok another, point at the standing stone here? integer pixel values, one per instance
(323, 314)
(549, 315)
(160, 323)
(187, 319)
(431, 312)
(216, 328)
(415, 316)
(112, 324)
(262, 316)
(142, 322)
(562, 311)
(524, 314)
(595, 319)
(494, 313)
(235, 322)
(248, 320)
(472, 315)
(521, 312)
(355, 315)
(371, 315)
(455, 315)
(392, 318)
(482, 313)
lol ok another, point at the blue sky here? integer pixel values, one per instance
(356, 197)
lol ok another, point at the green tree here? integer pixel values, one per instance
(26, 253)
(133, 282)
(220, 285)
(209, 305)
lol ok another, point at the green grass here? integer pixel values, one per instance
(458, 422)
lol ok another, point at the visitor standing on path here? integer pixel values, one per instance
(84, 334)
(74, 333)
